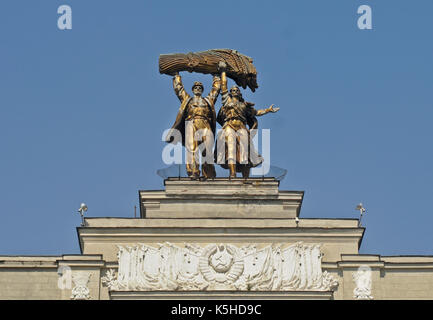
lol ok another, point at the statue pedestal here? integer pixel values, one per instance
(220, 238)
(221, 198)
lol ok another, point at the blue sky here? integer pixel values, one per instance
(82, 111)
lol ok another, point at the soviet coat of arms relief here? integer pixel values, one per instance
(213, 267)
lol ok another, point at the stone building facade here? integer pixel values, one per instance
(218, 239)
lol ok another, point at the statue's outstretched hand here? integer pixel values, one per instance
(272, 109)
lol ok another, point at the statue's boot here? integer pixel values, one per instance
(245, 172)
(208, 171)
(193, 171)
(232, 168)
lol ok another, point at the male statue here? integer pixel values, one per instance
(196, 120)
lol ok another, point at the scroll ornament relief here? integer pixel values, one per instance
(362, 278)
(220, 267)
(80, 291)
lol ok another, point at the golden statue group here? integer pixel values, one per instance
(196, 120)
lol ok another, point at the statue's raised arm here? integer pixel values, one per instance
(215, 90)
(179, 90)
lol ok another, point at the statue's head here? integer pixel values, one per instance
(197, 88)
(236, 92)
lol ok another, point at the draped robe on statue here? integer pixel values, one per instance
(234, 143)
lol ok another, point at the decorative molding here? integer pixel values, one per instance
(220, 267)
(362, 278)
(80, 291)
